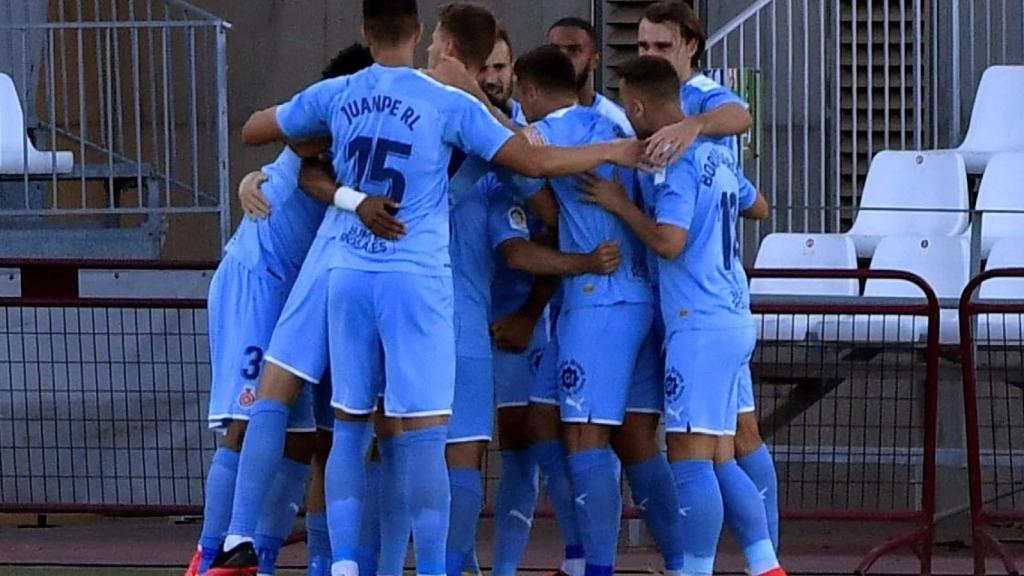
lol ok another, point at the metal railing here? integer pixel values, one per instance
(992, 343)
(136, 90)
(832, 83)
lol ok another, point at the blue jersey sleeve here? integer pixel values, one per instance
(718, 97)
(747, 193)
(506, 220)
(676, 194)
(308, 112)
(470, 126)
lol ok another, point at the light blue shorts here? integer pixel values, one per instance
(322, 409)
(746, 392)
(299, 344)
(599, 350)
(473, 408)
(395, 327)
(243, 309)
(703, 371)
(514, 374)
(545, 382)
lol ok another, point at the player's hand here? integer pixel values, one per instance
(628, 153)
(668, 144)
(254, 203)
(452, 72)
(513, 333)
(608, 194)
(378, 214)
(605, 259)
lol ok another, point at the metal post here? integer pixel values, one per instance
(954, 80)
(223, 164)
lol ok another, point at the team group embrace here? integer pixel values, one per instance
(489, 244)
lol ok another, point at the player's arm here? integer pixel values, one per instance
(262, 128)
(317, 180)
(514, 332)
(665, 240)
(541, 260)
(519, 155)
(753, 205)
(254, 204)
(669, 143)
(760, 209)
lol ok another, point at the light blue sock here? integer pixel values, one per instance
(467, 498)
(279, 510)
(395, 522)
(345, 487)
(220, 492)
(761, 469)
(553, 462)
(700, 511)
(369, 532)
(421, 456)
(513, 511)
(262, 451)
(744, 515)
(654, 492)
(318, 543)
(598, 502)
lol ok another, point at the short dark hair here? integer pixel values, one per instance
(580, 24)
(391, 21)
(652, 76)
(548, 69)
(681, 15)
(348, 61)
(503, 37)
(472, 28)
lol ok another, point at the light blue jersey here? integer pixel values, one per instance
(393, 132)
(613, 112)
(582, 226)
(277, 245)
(704, 193)
(701, 94)
(472, 272)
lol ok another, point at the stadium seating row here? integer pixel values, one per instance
(941, 261)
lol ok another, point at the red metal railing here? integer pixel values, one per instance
(985, 485)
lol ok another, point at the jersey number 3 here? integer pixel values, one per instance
(374, 153)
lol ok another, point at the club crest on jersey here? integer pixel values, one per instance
(673, 384)
(517, 219)
(247, 398)
(533, 136)
(571, 377)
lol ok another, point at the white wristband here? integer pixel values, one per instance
(348, 199)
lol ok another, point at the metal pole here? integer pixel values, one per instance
(954, 79)
(223, 166)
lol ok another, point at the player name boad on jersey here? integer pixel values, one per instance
(381, 104)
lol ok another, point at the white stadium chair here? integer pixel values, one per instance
(942, 261)
(911, 180)
(15, 148)
(1002, 188)
(814, 251)
(996, 122)
(998, 328)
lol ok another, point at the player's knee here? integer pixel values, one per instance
(279, 384)
(725, 450)
(636, 440)
(422, 423)
(580, 437)
(234, 435)
(299, 446)
(691, 447)
(543, 423)
(513, 433)
(748, 435)
(466, 455)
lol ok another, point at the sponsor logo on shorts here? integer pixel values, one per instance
(247, 398)
(571, 377)
(673, 384)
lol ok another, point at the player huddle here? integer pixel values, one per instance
(426, 252)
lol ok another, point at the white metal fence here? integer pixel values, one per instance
(136, 90)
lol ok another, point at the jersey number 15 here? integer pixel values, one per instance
(364, 149)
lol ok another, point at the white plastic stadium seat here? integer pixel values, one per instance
(942, 261)
(1002, 188)
(13, 142)
(817, 251)
(996, 122)
(998, 328)
(911, 180)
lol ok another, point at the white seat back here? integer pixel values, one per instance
(1002, 188)
(994, 126)
(1005, 253)
(17, 154)
(817, 251)
(942, 261)
(913, 180)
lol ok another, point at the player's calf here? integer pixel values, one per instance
(755, 459)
